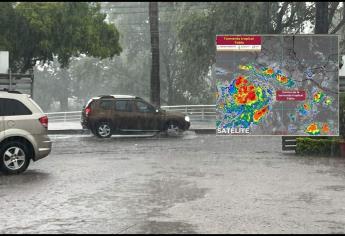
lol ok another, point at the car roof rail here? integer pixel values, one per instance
(105, 96)
(11, 91)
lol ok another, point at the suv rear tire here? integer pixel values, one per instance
(14, 157)
(103, 130)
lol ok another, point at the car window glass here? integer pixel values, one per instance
(13, 107)
(105, 104)
(36, 105)
(123, 105)
(144, 107)
(1, 106)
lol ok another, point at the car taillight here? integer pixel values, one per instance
(44, 121)
(87, 111)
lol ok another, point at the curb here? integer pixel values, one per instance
(204, 131)
(85, 131)
(69, 131)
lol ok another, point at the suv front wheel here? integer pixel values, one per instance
(14, 158)
(173, 128)
(103, 130)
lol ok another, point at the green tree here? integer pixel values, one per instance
(7, 19)
(41, 31)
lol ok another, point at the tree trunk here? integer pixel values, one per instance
(63, 99)
(170, 84)
(63, 103)
(154, 32)
(321, 18)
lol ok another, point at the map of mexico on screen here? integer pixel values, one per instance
(277, 85)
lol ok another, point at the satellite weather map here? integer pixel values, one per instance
(277, 85)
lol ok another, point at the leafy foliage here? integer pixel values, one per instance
(342, 114)
(38, 31)
(317, 147)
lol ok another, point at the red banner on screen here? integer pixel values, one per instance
(238, 40)
(292, 95)
(238, 43)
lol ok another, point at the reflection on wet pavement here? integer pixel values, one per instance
(187, 184)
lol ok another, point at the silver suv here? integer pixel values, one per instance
(23, 132)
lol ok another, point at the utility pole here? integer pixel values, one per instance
(268, 21)
(321, 18)
(154, 32)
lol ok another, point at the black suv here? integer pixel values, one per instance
(110, 114)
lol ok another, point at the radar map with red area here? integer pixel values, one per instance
(277, 85)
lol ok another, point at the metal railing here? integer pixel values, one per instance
(69, 116)
(195, 112)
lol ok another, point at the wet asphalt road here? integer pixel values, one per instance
(189, 184)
